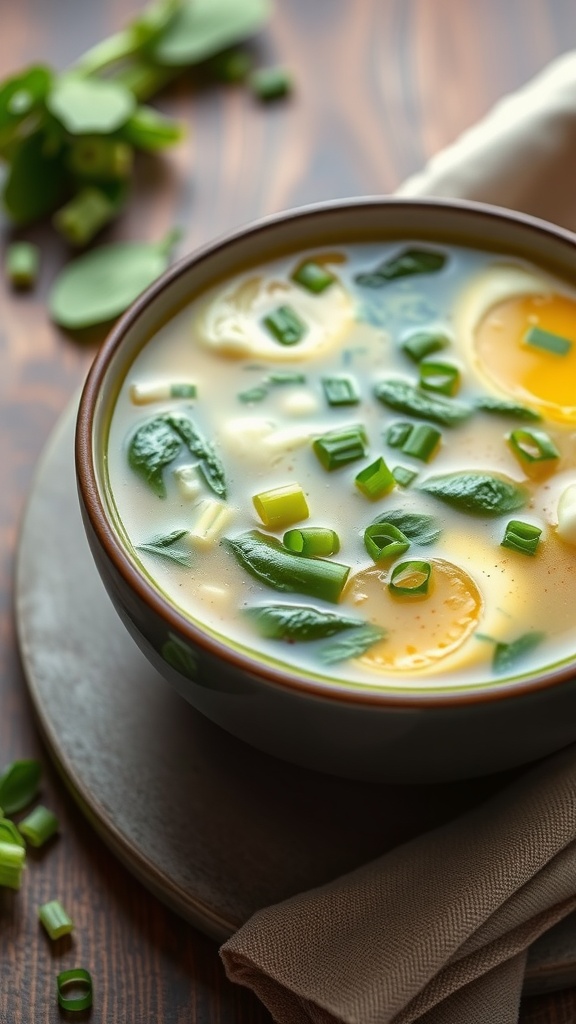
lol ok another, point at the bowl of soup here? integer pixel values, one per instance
(327, 471)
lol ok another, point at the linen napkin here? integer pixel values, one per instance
(437, 930)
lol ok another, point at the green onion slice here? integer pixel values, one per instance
(281, 506)
(39, 826)
(384, 541)
(520, 536)
(547, 341)
(410, 578)
(423, 343)
(285, 325)
(442, 378)
(422, 442)
(404, 476)
(12, 858)
(313, 541)
(55, 919)
(9, 833)
(532, 446)
(398, 433)
(313, 277)
(339, 447)
(79, 980)
(19, 785)
(22, 264)
(375, 480)
(340, 391)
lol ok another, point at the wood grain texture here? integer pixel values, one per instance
(380, 85)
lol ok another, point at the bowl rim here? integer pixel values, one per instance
(89, 494)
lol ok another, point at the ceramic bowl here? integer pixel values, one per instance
(372, 735)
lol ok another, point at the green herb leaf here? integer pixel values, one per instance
(20, 95)
(101, 284)
(204, 27)
(476, 493)
(352, 645)
(419, 528)
(406, 264)
(90, 106)
(154, 446)
(501, 407)
(506, 656)
(399, 394)
(19, 783)
(208, 462)
(298, 622)
(163, 546)
(148, 129)
(38, 181)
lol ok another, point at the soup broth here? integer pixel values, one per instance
(361, 464)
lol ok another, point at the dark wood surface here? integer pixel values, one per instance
(380, 86)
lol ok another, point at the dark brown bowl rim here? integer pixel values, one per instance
(90, 496)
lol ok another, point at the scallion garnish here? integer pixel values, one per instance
(281, 506)
(547, 341)
(79, 980)
(404, 476)
(55, 919)
(533, 448)
(397, 433)
(19, 784)
(410, 579)
(270, 563)
(285, 325)
(256, 394)
(183, 390)
(442, 378)
(270, 83)
(339, 447)
(422, 442)
(340, 391)
(39, 826)
(384, 541)
(312, 541)
(313, 277)
(520, 536)
(375, 480)
(21, 264)
(422, 344)
(12, 858)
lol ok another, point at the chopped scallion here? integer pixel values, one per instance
(410, 579)
(442, 378)
(398, 433)
(313, 541)
(21, 264)
(39, 826)
(422, 442)
(404, 476)
(12, 858)
(281, 506)
(521, 536)
(385, 541)
(422, 344)
(340, 391)
(19, 784)
(270, 83)
(313, 277)
(339, 447)
(77, 979)
(55, 919)
(547, 341)
(534, 449)
(375, 480)
(285, 325)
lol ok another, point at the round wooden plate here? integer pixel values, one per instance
(214, 828)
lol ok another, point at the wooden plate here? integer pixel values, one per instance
(212, 827)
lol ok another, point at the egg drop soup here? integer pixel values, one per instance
(360, 465)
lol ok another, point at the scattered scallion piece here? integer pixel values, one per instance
(269, 561)
(339, 447)
(410, 578)
(404, 476)
(547, 341)
(270, 83)
(55, 919)
(19, 783)
(285, 325)
(85, 215)
(255, 394)
(401, 395)
(282, 377)
(12, 859)
(422, 344)
(281, 506)
(534, 449)
(442, 378)
(340, 391)
(405, 264)
(375, 480)
(398, 433)
(231, 65)
(78, 980)
(520, 536)
(312, 541)
(21, 264)
(422, 442)
(313, 277)
(182, 389)
(144, 394)
(9, 833)
(384, 541)
(502, 407)
(39, 826)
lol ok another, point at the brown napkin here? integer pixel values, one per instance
(436, 931)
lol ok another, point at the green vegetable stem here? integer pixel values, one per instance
(269, 562)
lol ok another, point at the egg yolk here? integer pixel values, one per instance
(541, 378)
(419, 630)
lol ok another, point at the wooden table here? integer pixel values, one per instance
(380, 86)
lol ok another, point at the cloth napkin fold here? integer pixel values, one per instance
(437, 930)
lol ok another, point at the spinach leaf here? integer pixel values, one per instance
(163, 545)
(501, 407)
(352, 645)
(476, 493)
(298, 622)
(402, 396)
(37, 182)
(153, 446)
(406, 264)
(201, 28)
(418, 527)
(209, 464)
(506, 656)
(19, 97)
